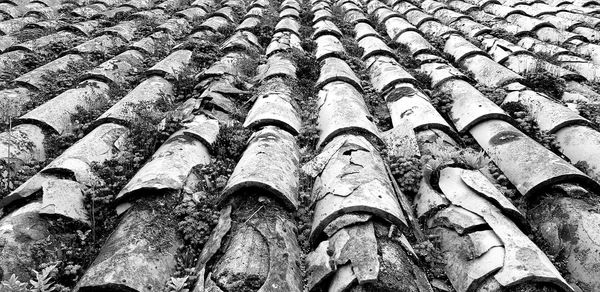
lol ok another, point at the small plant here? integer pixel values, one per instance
(526, 123)
(43, 280)
(541, 80)
(503, 34)
(351, 47)
(178, 284)
(204, 53)
(225, 32)
(496, 95)
(590, 111)
(467, 158)
(345, 27)
(434, 258)
(443, 103)
(264, 31)
(13, 285)
(407, 171)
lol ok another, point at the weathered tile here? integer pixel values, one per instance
(341, 110)
(270, 162)
(459, 219)
(57, 112)
(354, 180)
(334, 69)
(527, 164)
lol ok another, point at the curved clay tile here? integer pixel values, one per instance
(334, 69)
(386, 72)
(36, 77)
(353, 180)
(117, 69)
(383, 15)
(461, 49)
(24, 142)
(325, 27)
(102, 45)
(469, 106)
(169, 166)
(271, 163)
(150, 91)
(373, 46)
(157, 41)
(14, 25)
(176, 27)
(173, 65)
(328, 46)
(396, 26)
(342, 110)
(527, 164)
(549, 115)
(242, 41)
(15, 257)
(57, 113)
(471, 28)
(406, 102)
(274, 108)
(355, 16)
(192, 14)
(362, 30)
(277, 66)
(289, 24)
(322, 14)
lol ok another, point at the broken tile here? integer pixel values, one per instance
(319, 265)
(64, 198)
(457, 218)
(344, 221)
(523, 260)
(360, 250)
(354, 180)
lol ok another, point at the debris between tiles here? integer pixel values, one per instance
(299, 145)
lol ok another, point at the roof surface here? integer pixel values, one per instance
(324, 145)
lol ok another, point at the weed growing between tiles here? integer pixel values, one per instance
(407, 171)
(503, 34)
(264, 30)
(13, 174)
(204, 53)
(541, 81)
(375, 103)
(590, 111)
(443, 104)
(497, 95)
(10, 71)
(31, 34)
(307, 72)
(526, 123)
(345, 27)
(70, 253)
(196, 213)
